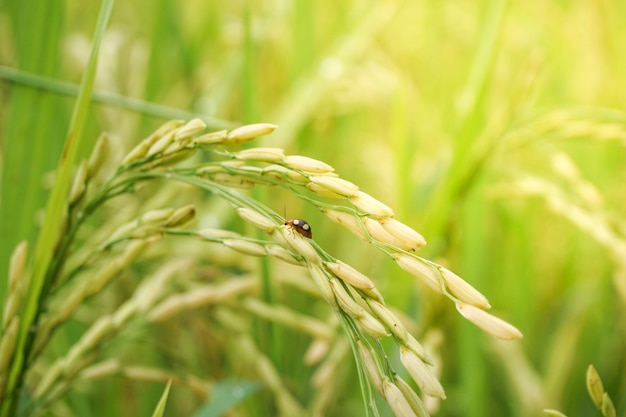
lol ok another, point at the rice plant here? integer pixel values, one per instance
(239, 259)
(83, 266)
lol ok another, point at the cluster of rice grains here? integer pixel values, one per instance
(358, 304)
(353, 295)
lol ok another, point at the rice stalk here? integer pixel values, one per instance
(353, 296)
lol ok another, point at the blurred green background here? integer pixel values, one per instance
(496, 129)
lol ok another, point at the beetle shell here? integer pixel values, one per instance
(301, 227)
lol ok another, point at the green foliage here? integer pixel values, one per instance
(227, 394)
(496, 129)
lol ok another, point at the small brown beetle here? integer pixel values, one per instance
(301, 227)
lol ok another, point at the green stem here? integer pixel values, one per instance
(112, 99)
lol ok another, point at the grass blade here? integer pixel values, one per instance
(51, 230)
(160, 408)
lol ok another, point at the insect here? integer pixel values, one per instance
(301, 227)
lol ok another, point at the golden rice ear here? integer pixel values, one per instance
(212, 138)
(306, 164)
(371, 366)
(99, 154)
(390, 320)
(261, 154)
(412, 398)
(347, 220)
(350, 275)
(370, 205)
(336, 185)
(425, 273)
(491, 324)
(409, 239)
(248, 132)
(320, 279)
(345, 300)
(463, 290)
(396, 400)
(421, 373)
(189, 129)
(256, 219)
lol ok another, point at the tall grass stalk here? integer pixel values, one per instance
(50, 234)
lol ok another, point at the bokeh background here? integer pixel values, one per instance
(497, 129)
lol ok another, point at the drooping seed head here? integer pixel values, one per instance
(345, 301)
(390, 320)
(491, 324)
(161, 144)
(248, 132)
(261, 154)
(256, 219)
(421, 373)
(191, 128)
(370, 205)
(212, 138)
(181, 216)
(419, 270)
(372, 325)
(371, 366)
(174, 154)
(306, 164)
(396, 400)
(99, 154)
(463, 290)
(298, 243)
(137, 153)
(321, 191)
(164, 129)
(409, 238)
(417, 348)
(336, 185)
(156, 217)
(349, 275)
(378, 232)
(320, 279)
(417, 405)
(347, 220)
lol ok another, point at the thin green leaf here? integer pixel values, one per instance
(160, 408)
(55, 208)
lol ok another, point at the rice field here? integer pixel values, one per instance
(295, 208)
